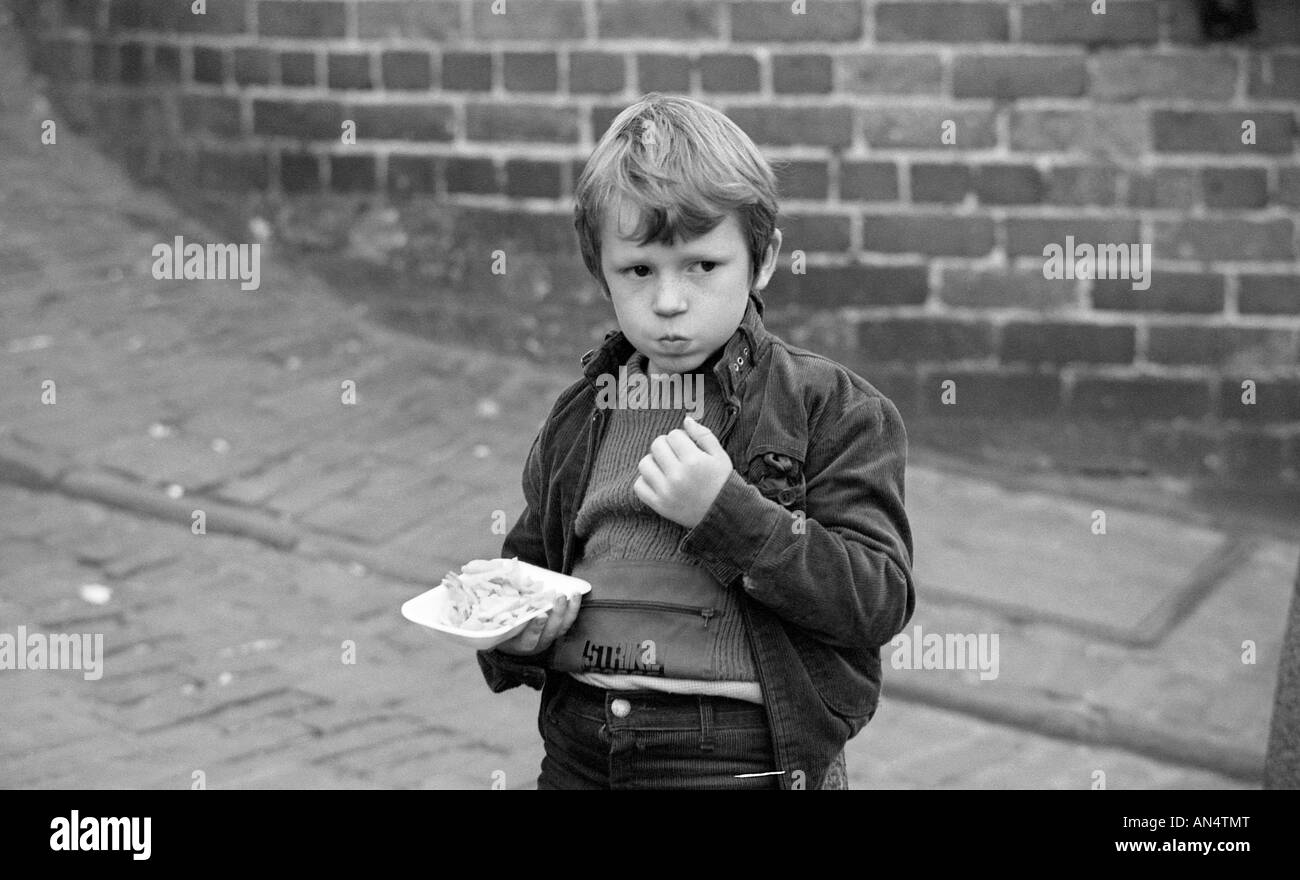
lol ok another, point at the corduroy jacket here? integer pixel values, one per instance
(809, 530)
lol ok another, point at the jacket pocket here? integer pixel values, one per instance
(842, 687)
(780, 478)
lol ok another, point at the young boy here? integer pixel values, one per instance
(747, 563)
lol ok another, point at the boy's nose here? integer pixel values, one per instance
(669, 300)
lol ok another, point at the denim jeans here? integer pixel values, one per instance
(605, 739)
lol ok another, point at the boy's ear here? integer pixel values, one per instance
(766, 271)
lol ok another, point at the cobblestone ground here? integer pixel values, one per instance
(227, 658)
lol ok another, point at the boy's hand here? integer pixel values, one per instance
(684, 472)
(540, 633)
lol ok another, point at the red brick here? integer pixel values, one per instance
(1288, 187)
(1141, 398)
(663, 73)
(312, 120)
(892, 73)
(553, 20)
(924, 339)
(1240, 348)
(1187, 292)
(888, 127)
(298, 68)
(1269, 295)
(1008, 184)
(1191, 131)
(209, 66)
(1041, 342)
(802, 74)
(412, 174)
(1235, 187)
(531, 71)
(254, 66)
(349, 70)
(420, 121)
(940, 182)
(239, 171)
(225, 17)
(868, 181)
(432, 20)
(1081, 185)
(941, 22)
(814, 233)
(299, 172)
(1006, 288)
(534, 233)
(822, 126)
(657, 19)
(1276, 400)
(1030, 235)
(1020, 76)
(1274, 76)
(728, 72)
(130, 63)
(500, 122)
(596, 72)
(851, 285)
(167, 64)
(63, 60)
(1075, 22)
(1124, 76)
(1167, 188)
(938, 234)
(406, 70)
(528, 178)
(993, 395)
(471, 175)
(763, 21)
(294, 18)
(1117, 131)
(802, 179)
(352, 173)
(1278, 23)
(1225, 239)
(467, 71)
(210, 114)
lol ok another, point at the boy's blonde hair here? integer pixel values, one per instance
(685, 166)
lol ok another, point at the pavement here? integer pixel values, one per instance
(185, 472)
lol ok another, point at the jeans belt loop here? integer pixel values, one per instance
(707, 740)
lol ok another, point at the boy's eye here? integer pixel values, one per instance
(708, 265)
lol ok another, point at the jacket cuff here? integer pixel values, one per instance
(735, 529)
(505, 671)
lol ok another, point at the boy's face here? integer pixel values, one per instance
(677, 305)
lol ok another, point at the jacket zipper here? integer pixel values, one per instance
(706, 613)
(594, 436)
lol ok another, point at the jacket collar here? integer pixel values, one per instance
(746, 347)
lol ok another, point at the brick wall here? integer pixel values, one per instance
(922, 258)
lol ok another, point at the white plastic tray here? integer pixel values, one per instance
(429, 609)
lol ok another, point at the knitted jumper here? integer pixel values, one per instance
(615, 524)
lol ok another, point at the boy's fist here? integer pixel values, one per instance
(684, 472)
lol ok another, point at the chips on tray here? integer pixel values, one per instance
(493, 594)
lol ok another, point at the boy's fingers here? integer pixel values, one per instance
(554, 622)
(703, 437)
(683, 446)
(571, 614)
(662, 452)
(642, 490)
(651, 475)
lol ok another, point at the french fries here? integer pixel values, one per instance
(491, 594)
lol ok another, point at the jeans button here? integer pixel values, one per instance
(621, 708)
